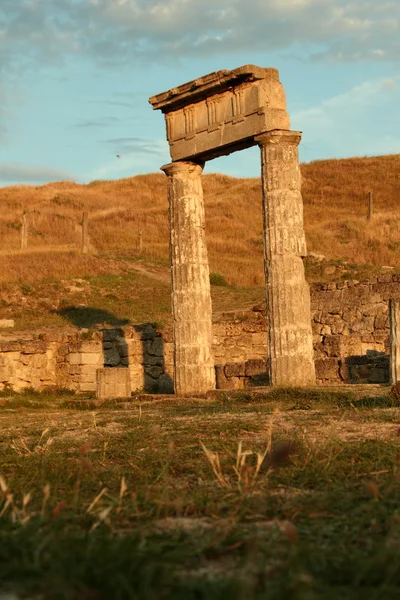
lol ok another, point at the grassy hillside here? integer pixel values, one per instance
(335, 206)
(335, 200)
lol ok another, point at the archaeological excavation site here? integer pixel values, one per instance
(330, 333)
(199, 373)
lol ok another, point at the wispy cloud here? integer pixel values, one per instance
(123, 32)
(338, 122)
(16, 173)
(99, 123)
(129, 145)
(136, 155)
(113, 103)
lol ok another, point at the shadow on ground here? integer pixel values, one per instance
(87, 316)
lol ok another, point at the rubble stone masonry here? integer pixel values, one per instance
(350, 323)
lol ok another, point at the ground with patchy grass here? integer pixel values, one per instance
(269, 494)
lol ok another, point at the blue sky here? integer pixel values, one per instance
(76, 75)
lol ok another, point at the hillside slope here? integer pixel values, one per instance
(335, 202)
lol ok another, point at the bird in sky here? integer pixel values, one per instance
(118, 155)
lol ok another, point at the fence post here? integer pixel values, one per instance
(24, 231)
(140, 243)
(394, 312)
(85, 233)
(370, 206)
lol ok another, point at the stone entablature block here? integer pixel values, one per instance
(222, 112)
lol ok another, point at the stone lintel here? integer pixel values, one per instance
(279, 136)
(210, 84)
(222, 112)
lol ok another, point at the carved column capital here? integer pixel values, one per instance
(186, 168)
(279, 136)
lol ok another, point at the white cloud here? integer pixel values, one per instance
(122, 31)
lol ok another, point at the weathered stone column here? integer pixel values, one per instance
(290, 345)
(191, 298)
(394, 312)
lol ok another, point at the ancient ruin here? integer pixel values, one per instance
(206, 118)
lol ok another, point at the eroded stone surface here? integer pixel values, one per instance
(290, 341)
(211, 116)
(222, 112)
(394, 340)
(113, 382)
(191, 298)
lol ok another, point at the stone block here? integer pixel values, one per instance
(90, 346)
(153, 371)
(147, 332)
(87, 386)
(113, 382)
(112, 357)
(379, 374)
(327, 368)
(235, 369)
(88, 373)
(381, 322)
(63, 350)
(33, 347)
(39, 361)
(110, 335)
(85, 358)
(149, 360)
(7, 323)
(218, 113)
(338, 327)
(154, 347)
(244, 341)
(331, 346)
(255, 367)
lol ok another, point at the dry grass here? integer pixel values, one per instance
(335, 198)
(239, 496)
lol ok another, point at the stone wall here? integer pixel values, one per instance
(351, 342)
(351, 329)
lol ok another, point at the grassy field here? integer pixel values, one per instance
(275, 494)
(52, 283)
(335, 196)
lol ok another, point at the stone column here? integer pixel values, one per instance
(290, 345)
(191, 298)
(394, 312)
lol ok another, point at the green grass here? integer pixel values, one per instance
(128, 500)
(111, 299)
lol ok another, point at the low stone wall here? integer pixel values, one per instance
(351, 342)
(351, 329)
